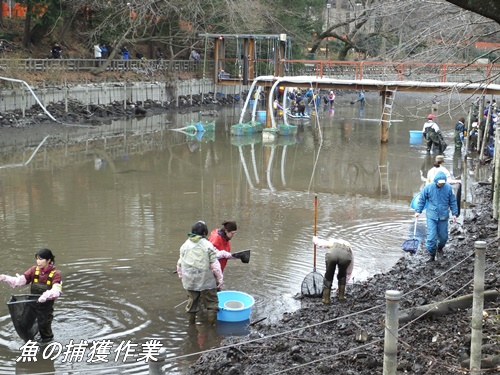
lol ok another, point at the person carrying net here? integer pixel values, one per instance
(339, 255)
(45, 282)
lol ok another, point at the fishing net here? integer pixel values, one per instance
(24, 315)
(312, 286)
(411, 246)
(244, 256)
(287, 129)
(246, 128)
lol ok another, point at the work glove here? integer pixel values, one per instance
(18, 280)
(223, 254)
(179, 271)
(217, 271)
(51, 294)
(321, 243)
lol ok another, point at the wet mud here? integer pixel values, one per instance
(348, 338)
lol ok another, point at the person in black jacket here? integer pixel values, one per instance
(56, 51)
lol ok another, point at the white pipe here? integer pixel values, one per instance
(32, 93)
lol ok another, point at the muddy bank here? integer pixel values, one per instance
(73, 117)
(323, 339)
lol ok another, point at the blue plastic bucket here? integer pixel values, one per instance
(261, 115)
(415, 136)
(251, 103)
(414, 202)
(234, 306)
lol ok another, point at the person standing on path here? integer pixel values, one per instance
(441, 199)
(339, 254)
(220, 237)
(201, 274)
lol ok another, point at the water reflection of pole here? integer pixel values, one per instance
(254, 163)
(283, 154)
(243, 162)
(268, 171)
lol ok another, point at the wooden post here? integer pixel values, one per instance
(477, 308)
(496, 182)
(485, 135)
(251, 61)
(390, 364)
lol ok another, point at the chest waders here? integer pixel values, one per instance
(37, 287)
(44, 311)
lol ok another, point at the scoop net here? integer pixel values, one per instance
(23, 315)
(312, 286)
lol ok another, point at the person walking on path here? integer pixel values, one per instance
(433, 135)
(201, 274)
(440, 199)
(46, 282)
(439, 167)
(220, 238)
(339, 255)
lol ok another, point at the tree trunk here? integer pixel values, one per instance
(27, 25)
(487, 8)
(444, 307)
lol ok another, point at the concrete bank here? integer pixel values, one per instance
(21, 97)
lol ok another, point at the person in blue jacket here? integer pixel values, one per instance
(440, 198)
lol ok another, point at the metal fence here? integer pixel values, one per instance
(386, 71)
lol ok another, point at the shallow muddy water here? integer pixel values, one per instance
(115, 214)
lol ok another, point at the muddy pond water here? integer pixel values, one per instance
(116, 213)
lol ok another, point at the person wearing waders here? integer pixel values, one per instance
(339, 255)
(200, 272)
(220, 237)
(431, 134)
(440, 198)
(45, 281)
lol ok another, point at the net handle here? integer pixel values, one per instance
(315, 224)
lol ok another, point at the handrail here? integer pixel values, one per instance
(396, 71)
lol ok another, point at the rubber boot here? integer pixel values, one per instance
(341, 293)
(192, 318)
(211, 318)
(432, 258)
(326, 296)
(440, 251)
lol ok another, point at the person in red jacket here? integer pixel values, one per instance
(220, 238)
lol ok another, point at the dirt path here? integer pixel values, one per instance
(322, 339)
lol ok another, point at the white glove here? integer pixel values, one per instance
(14, 281)
(321, 243)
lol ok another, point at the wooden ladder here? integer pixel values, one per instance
(388, 105)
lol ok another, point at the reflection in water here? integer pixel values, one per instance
(115, 212)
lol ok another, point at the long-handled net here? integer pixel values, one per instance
(312, 286)
(411, 246)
